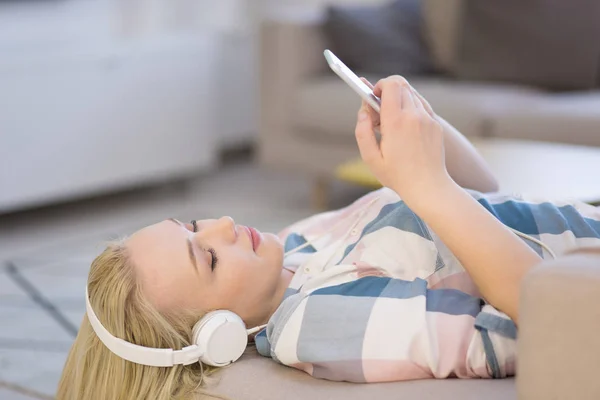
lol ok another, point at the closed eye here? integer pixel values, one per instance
(214, 259)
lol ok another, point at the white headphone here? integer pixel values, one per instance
(219, 339)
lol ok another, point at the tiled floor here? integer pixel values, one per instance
(45, 254)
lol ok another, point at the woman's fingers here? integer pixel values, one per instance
(408, 101)
(411, 147)
(377, 88)
(365, 137)
(374, 114)
(395, 94)
(417, 100)
(424, 102)
(369, 84)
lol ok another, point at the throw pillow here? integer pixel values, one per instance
(547, 43)
(382, 40)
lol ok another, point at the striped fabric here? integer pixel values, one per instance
(378, 297)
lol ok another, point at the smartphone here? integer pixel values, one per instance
(352, 80)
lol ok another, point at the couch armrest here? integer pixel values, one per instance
(291, 50)
(559, 331)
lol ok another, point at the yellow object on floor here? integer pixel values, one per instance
(357, 172)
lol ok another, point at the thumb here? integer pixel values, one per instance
(365, 138)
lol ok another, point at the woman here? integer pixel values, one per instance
(402, 284)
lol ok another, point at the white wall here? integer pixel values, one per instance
(88, 107)
(235, 22)
(315, 3)
(22, 21)
(322, 2)
(50, 26)
(144, 17)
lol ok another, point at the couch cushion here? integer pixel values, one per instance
(383, 38)
(256, 377)
(569, 118)
(547, 43)
(328, 106)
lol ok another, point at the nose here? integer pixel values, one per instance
(223, 227)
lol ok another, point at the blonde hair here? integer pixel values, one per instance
(94, 372)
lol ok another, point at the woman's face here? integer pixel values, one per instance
(218, 265)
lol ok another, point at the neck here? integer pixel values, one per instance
(284, 281)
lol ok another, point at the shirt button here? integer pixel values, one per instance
(307, 270)
(354, 232)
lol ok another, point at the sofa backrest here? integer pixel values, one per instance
(552, 44)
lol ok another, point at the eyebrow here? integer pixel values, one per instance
(189, 245)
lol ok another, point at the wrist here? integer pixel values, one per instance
(427, 195)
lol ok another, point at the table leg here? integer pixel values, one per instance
(320, 193)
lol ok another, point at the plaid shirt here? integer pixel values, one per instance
(378, 297)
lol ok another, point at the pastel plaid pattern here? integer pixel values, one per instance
(378, 297)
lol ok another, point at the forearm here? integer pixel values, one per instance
(464, 164)
(495, 258)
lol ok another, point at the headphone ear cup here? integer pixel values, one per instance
(222, 336)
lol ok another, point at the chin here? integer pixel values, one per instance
(274, 245)
(270, 237)
(270, 246)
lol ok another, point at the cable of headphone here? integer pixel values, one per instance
(534, 240)
(256, 329)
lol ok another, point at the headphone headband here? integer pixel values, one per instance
(219, 338)
(140, 354)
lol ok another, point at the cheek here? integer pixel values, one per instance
(247, 279)
(273, 251)
(243, 283)
(237, 274)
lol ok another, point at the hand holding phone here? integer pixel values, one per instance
(410, 156)
(352, 80)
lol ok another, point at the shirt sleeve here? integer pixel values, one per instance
(375, 329)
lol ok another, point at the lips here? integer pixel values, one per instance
(255, 237)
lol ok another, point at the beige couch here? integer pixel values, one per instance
(308, 113)
(558, 349)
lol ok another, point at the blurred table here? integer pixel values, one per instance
(542, 169)
(548, 170)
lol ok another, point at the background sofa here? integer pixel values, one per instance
(308, 114)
